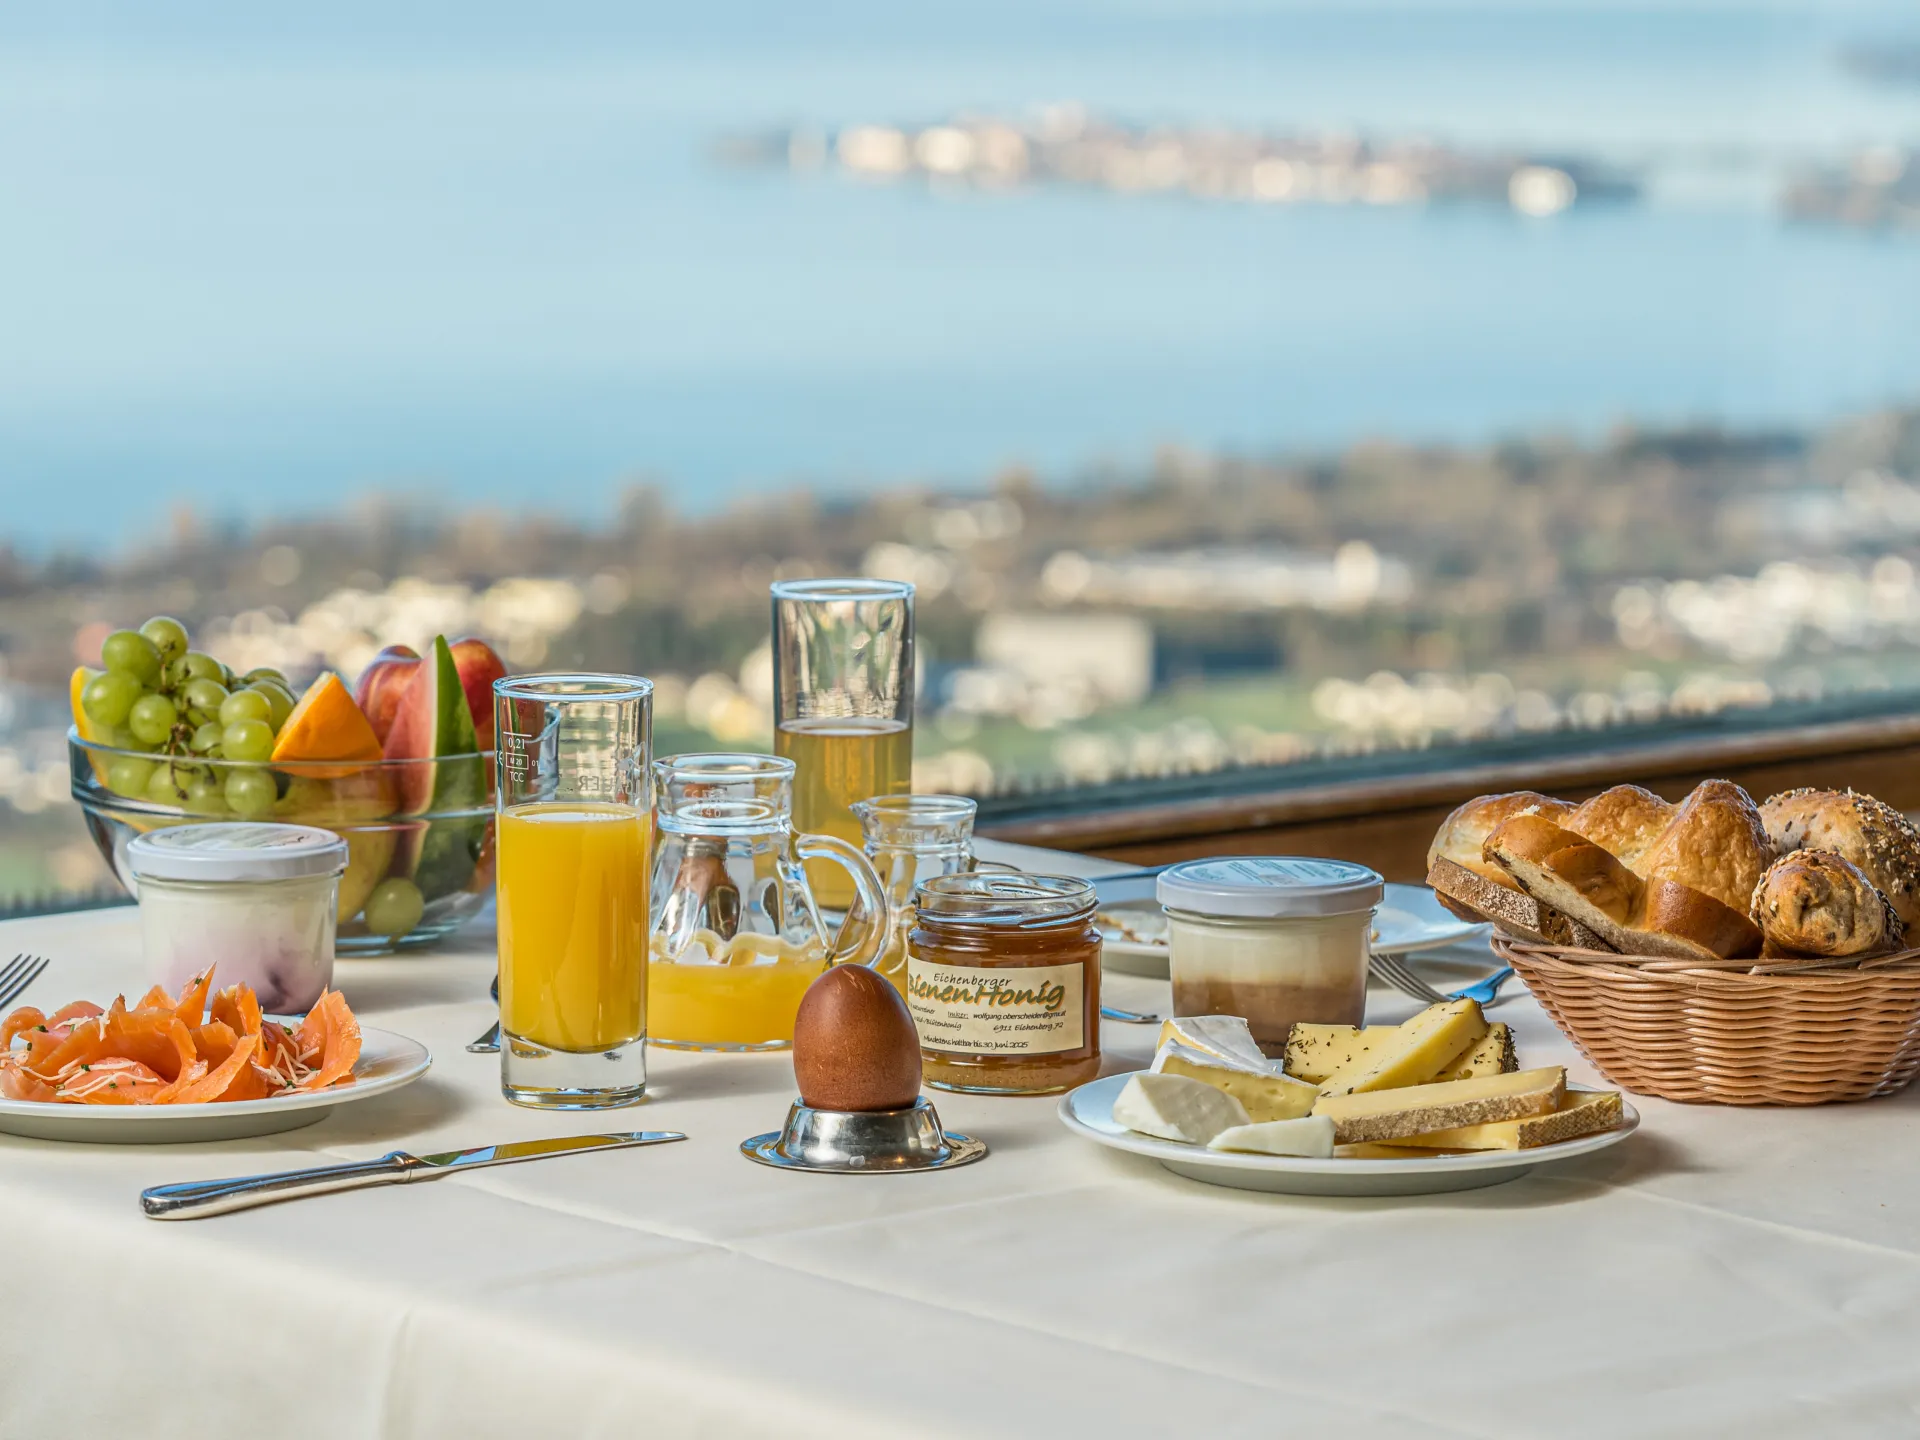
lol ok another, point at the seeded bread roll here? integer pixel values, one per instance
(1635, 916)
(1463, 834)
(1715, 845)
(1874, 836)
(1814, 902)
(1624, 821)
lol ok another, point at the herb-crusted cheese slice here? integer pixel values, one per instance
(1172, 1107)
(1267, 1096)
(1227, 1038)
(1494, 1055)
(1315, 1052)
(1311, 1135)
(1581, 1112)
(1423, 1109)
(1413, 1055)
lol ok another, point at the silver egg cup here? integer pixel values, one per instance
(863, 1142)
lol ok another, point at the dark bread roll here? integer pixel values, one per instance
(1624, 821)
(1876, 838)
(1814, 902)
(1716, 844)
(1510, 909)
(1462, 836)
(1565, 870)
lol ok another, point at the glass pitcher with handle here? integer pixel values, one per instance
(911, 838)
(737, 933)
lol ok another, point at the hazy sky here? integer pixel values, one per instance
(256, 257)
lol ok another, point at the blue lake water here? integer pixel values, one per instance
(252, 263)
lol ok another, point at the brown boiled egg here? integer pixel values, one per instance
(854, 1044)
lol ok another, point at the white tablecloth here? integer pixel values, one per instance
(1750, 1272)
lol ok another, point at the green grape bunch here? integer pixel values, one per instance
(176, 709)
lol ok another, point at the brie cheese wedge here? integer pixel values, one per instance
(1172, 1107)
(1227, 1038)
(1311, 1135)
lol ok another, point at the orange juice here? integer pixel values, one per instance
(738, 994)
(836, 762)
(573, 924)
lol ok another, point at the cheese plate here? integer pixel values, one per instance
(1353, 1170)
(1133, 933)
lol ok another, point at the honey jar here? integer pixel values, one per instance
(1003, 979)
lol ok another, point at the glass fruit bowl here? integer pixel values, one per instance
(419, 833)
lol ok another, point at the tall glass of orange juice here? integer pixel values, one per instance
(574, 835)
(843, 705)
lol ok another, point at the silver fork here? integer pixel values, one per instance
(489, 1043)
(18, 974)
(1395, 971)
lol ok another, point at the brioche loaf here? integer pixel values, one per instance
(1624, 821)
(1463, 834)
(1881, 842)
(1814, 902)
(1636, 916)
(1715, 844)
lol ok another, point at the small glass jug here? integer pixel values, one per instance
(911, 838)
(737, 933)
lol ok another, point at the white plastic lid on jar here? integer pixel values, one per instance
(1269, 887)
(236, 851)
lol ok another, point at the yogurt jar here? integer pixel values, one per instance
(1279, 939)
(256, 902)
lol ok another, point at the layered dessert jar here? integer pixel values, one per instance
(1279, 939)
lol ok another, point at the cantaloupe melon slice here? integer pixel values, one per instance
(327, 725)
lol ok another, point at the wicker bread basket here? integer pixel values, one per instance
(1802, 1034)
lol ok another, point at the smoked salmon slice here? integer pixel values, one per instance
(171, 1050)
(330, 1038)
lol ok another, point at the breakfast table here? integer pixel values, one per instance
(1722, 1271)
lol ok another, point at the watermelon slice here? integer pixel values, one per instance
(433, 724)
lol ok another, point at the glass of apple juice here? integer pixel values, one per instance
(575, 829)
(843, 706)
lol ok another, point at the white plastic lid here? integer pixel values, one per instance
(1269, 887)
(229, 851)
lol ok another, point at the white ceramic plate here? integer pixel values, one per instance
(1088, 1111)
(1410, 918)
(387, 1061)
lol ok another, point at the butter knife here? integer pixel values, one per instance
(1127, 885)
(197, 1198)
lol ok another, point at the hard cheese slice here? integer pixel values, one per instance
(1227, 1038)
(1423, 1109)
(1581, 1112)
(1311, 1135)
(1418, 1051)
(1267, 1096)
(1315, 1052)
(1173, 1107)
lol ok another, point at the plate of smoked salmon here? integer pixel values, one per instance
(205, 1064)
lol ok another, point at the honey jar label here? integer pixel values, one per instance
(1007, 1010)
